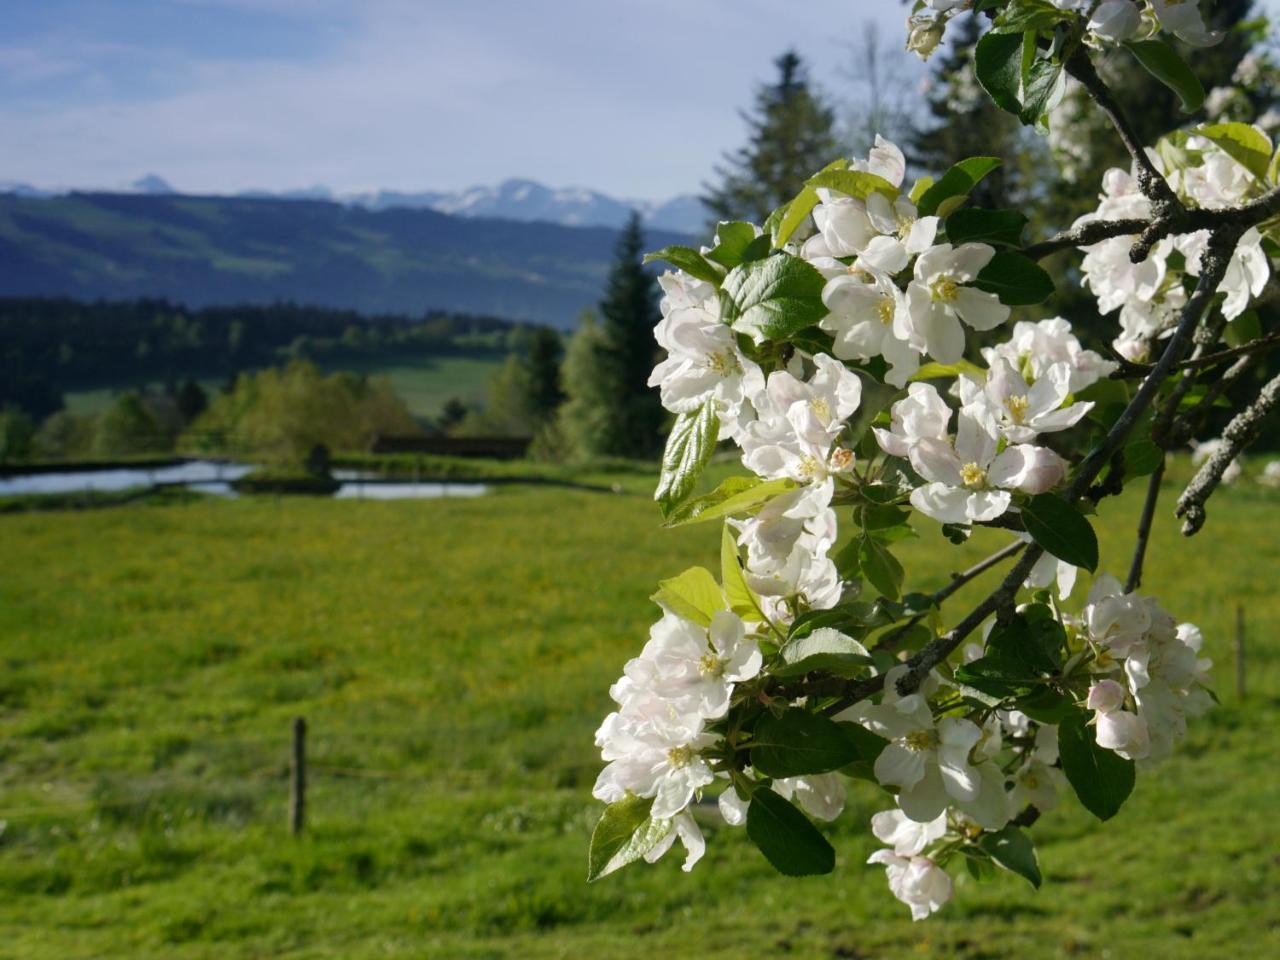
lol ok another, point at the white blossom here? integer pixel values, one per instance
(1023, 410)
(939, 297)
(917, 881)
(1034, 348)
(862, 321)
(969, 481)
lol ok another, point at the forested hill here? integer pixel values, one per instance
(218, 250)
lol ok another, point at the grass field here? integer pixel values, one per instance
(452, 659)
(424, 383)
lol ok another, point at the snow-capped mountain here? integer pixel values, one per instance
(527, 200)
(515, 199)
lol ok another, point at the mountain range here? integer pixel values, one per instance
(375, 256)
(513, 199)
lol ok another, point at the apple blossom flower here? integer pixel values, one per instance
(1035, 347)
(862, 320)
(695, 667)
(939, 297)
(921, 415)
(663, 763)
(969, 481)
(917, 881)
(1022, 411)
(1038, 781)
(907, 837)
(822, 796)
(1182, 19)
(685, 829)
(928, 761)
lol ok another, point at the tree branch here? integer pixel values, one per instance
(1144, 528)
(1241, 431)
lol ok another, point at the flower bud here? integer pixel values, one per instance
(924, 38)
(1105, 696)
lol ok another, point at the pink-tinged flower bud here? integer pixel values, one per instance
(1105, 696)
(1124, 732)
(1039, 469)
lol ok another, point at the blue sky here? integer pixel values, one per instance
(637, 99)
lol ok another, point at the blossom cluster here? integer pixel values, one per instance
(1150, 295)
(840, 409)
(1110, 21)
(1150, 674)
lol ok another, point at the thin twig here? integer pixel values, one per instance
(958, 580)
(1240, 432)
(1144, 528)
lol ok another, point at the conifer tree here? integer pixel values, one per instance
(791, 134)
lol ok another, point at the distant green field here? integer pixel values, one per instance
(452, 658)
(424, 383)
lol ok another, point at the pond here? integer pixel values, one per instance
(214, 477)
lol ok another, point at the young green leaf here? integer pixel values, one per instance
(1166, 65)
(1013, 850)
(736, 591)
(1245, 144)
(623, 835)
(694, 595)
(1015, 279)
(1040, 88)
(1062, 530)
(689, 447)
(823, 649)
(1022, 15)
(854, 183)
(786, 837)
(1035, 646)
(799, 743)
(736, 495)
(1101, 779)
(880, 567)
(956, 182)
(997, 63)
(996, 227)
(784, 221)
(733, 239)
(690, 261)
(773, 298)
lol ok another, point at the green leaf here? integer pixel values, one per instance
(1245, 144)
(799, 743)
(1101, 779)
(869, 745)
(1046, 705)
(996, 678)
(694, 595)
(880, 567)
(934, 371)
(858, 184)
(1041, 83)
(734, 495)
(690, 261)
(786, 837)
(733, 237)
(1015, 279)
(623, 835)
(918, 188)
(823, 649)
(997, 63)
(1022, 15)
(1062, 530)
(1141, 457)
(1243, 329)
(1013, 850)
(692, 441)
(996, 227)
(773, 298)
(784, 221)
(1035, 646)
(1166, 65)
(736, 592)
(956, 182)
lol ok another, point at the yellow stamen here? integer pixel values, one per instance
(944, 289)
(973, 476)
(884, 310)
(921, 739)
(1017, 407)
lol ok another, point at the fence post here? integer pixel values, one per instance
(1239, 651)
(298, 777)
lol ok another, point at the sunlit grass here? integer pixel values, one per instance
(452, 658)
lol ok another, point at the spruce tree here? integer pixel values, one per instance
(629, 312)
(542, 364)
(792, 134)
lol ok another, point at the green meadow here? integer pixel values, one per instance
(424, 383)
(452, 659)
